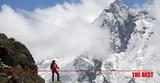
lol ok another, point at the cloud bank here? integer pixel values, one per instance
(154, 11)
(153, 43)
(64, 30)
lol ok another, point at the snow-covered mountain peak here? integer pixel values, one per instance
(119, 9)
(130, 29)
(121, 22)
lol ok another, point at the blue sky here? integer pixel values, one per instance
(32, 4)
(131, 3)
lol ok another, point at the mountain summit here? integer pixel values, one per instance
(121, 23)
(129, 29)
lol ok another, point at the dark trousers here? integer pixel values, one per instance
(57, 75)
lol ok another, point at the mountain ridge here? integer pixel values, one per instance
(129, 29)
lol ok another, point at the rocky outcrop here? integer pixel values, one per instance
(91, 68)
(15, 60)
(121, 23)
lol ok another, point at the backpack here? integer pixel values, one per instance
(54, 66)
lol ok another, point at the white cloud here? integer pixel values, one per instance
(153, 43)
(60, 31)
(154, 11)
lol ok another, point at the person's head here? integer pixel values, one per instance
(53, 61)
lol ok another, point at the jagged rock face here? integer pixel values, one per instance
(14, 55)
(121, 23)
(81, 64)
(89, 76)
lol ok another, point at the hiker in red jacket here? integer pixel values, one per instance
(54, 67)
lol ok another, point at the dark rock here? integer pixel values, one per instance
(81, 64)
(132, 81)
(3, 36)
(15, 56)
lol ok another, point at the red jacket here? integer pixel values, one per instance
(54, 67)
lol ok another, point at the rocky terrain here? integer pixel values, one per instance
(15, 58)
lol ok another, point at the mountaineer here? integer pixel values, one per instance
(54, 67)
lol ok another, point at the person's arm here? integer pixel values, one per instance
(51, 66)
(57, 66)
